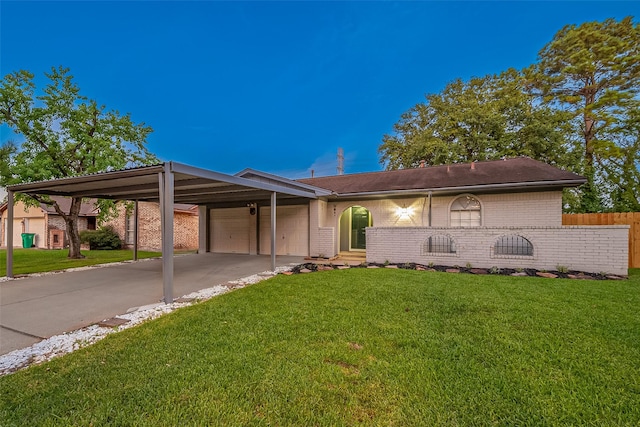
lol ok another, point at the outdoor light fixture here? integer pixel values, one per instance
(404, 213)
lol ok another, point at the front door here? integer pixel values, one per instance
(360, 219)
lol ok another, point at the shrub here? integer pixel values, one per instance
(102, 238)
(495, 270)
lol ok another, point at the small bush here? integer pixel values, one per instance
(101, 239)
(495, 270)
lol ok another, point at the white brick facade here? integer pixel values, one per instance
(592, 249)
(541, 209)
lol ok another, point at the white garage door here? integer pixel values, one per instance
(292, 230)
(230, 230)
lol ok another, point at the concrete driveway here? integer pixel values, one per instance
(35, 308)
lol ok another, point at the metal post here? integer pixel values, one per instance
(9, 232)
(273, 231)
(166, 219)
(203, 229)
(135, 231)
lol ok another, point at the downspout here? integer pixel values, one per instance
(429, 212)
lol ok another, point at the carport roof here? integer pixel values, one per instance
(191, 185)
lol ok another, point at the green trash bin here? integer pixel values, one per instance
(27, 239)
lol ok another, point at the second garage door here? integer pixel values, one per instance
(292, 230)
(230, 230)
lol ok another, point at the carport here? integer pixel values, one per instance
(166, 184)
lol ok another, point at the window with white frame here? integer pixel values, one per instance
(466, 212)
(129, 228)
(439, 244)
(513, 245)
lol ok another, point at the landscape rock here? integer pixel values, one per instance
(580, 276)
(547, 275)
(452, 270)
(479, 271)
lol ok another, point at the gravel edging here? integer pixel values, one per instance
(68, 342)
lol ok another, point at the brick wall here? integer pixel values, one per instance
(56, 222)
(592, 249)
(508, 209)
(185, 227)
(511, 209)
(325, 245)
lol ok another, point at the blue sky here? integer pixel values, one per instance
(277, 86)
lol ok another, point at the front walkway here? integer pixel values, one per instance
(35, 308)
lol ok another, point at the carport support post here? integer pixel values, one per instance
(273, 231)
(166, 224)
(9, 233)
(135, 231)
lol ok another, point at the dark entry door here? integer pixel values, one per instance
(360, 219)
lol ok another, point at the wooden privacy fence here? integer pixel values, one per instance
(627, 218)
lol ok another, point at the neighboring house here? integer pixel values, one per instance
(43, 221)
(185, 229)
(505, 213)
(50, 229)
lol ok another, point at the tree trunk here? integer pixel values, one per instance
(72, 228)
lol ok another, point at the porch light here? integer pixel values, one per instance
(404, 213)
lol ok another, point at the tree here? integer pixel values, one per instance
(593, 72)
(65, 134)
(621, 168)
(485, 118)
(576, 108)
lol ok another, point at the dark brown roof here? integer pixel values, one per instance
(520, 172)
(87, 208)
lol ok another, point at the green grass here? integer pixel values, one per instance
(358, 347)
(27, 261)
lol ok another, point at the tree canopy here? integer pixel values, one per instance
(64, 134)
(486, 118)
(576, 108)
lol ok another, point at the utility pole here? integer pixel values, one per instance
(340, 161)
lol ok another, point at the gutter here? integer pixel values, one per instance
(470, 188)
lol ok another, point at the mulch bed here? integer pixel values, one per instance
(311, 267)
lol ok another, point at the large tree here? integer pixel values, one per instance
(577, 108)
(621, 168)
(592, 71)
(63, 134)
(485, 118)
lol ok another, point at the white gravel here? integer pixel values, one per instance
(59, 345)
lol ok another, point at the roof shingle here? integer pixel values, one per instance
(520, 171)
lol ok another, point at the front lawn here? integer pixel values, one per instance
(358, 347)
(26, 261)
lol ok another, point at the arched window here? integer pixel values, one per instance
(439, 244)
(513, 245)
(466, 212)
